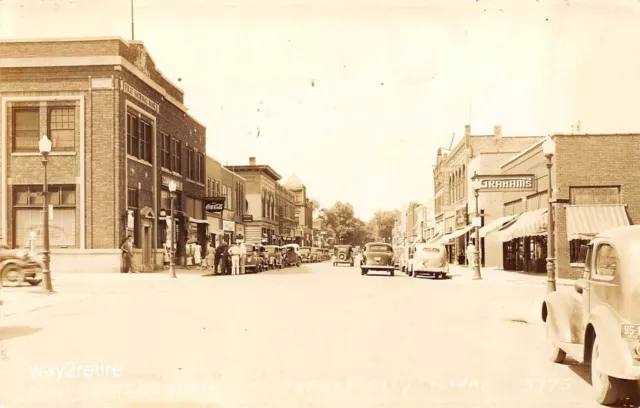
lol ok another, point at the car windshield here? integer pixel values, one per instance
(379, 248)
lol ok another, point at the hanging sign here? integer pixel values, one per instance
(505, 182)
(214, 204)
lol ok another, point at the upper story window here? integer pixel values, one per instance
(176, 156)
(199, 170)
(165, 153)
(26, 129)
(62, 128)
(190, 164)
(139, 137)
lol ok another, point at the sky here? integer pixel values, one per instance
(355, 97)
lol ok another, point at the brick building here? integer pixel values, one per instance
(120, 133)
(261, 181)
(595, 189)
(303, 211)
(233, 189)
(454, 201)
(214, 189)
(285, 215)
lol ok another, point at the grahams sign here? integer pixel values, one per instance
(506, 182)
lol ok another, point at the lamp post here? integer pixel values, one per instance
(44, 145)
(549, 150)
(172, 254)
(476, 253)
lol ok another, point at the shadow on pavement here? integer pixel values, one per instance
(10, 332)
(582, 370)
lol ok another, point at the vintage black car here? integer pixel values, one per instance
(305, 255)
(255, 258)
(377, 256)
(18, 266)
(343, 255)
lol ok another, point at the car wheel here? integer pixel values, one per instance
(554, 353)
(364, 271)
(605, 388)
(298, 263)
(12, 275)
(393, 273)
(34, 282)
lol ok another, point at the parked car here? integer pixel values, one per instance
(291, 255)
(305, 254)
(316, 254)
(598, 323)
(399, 256)
(343, 254)
(377, 256)
(18, 266)
(270, 255)
(428, 259)
(255, 258)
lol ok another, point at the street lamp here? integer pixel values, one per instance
(549, 150)
(172, 254)
(476, 254)
(44, 145)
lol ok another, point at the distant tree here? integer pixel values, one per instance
(342, 224)
(381, 225)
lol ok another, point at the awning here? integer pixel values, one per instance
(495, 224)
(529, 224)
(197, 221)
(435, 237)
(454, 234)
(585, 221)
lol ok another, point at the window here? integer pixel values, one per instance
(606, 261)
(132, 135)
(200, 168)
(27, 208)
(165, 201)
(165, 158)
(146, 144)
(176, 153)
(62, 128)
(217, 188)
(190, 164)
(139, 137)
(574, 250)
(132, 198)
(208, 187)
(26, 129)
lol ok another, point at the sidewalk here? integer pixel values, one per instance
(493, 274)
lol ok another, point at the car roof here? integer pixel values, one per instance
(624, 238)
(342, 246)
(378, 243)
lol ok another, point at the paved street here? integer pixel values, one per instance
(315, 336)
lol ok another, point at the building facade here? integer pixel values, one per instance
(285, 215)
(235, 207)
(592, 190)
(120, 134)
(214, 189)
(260, 194)
(412, 223)
(303, 211)
(454, 200)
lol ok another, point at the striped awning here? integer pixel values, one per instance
(435, 237)
(585, 221)
(454, 234)
(495, 224)
(529, 224)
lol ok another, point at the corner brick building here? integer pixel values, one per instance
(595, 188)
(120, 133)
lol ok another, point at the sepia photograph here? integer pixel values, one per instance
(319, 203)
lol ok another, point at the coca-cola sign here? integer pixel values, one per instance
(214, 204)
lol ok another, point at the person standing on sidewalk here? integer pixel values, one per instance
(471, 249)
(197, 255)
(243, 256)
(234, 251)
(127, 255)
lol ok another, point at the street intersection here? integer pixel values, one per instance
(315, 336)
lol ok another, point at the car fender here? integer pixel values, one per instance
(562, 311)
(617, 360)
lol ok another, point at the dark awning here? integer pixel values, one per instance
(530, 223)
(585, 221)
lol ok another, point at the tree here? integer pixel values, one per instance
(381, 225)
(342, 224)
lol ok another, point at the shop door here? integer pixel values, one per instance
(147, 263)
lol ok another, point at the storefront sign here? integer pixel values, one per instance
(166, 180)
(128, 89)
(214, 204)
(229, 226)
(506, 182)
(247, 218)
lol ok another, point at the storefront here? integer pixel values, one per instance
(524, 242)
(229, 231)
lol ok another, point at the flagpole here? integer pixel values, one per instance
(132, 32)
